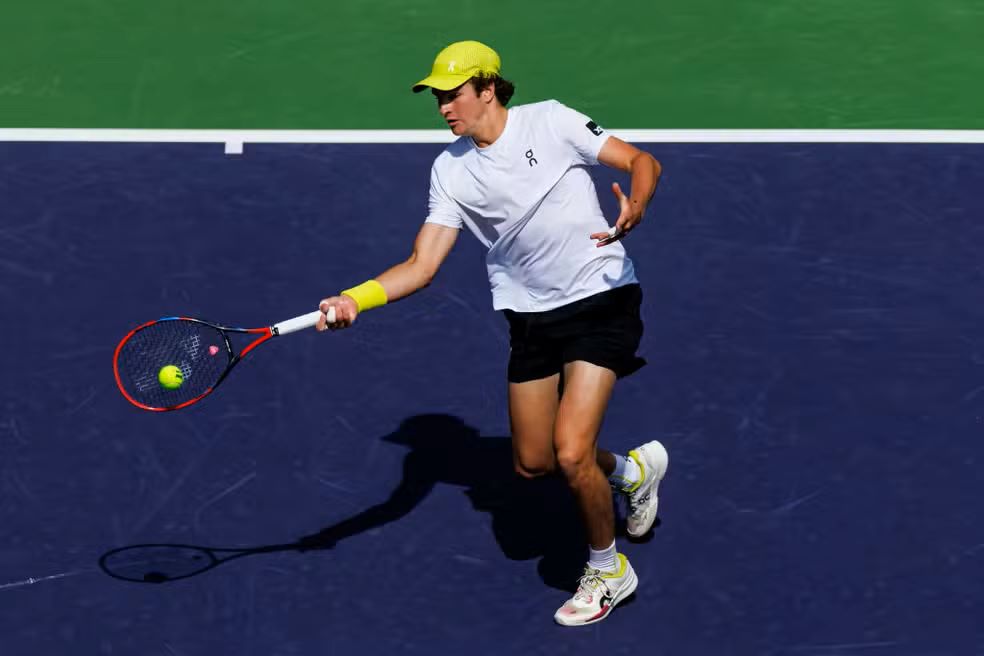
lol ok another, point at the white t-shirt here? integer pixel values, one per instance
(530, 200)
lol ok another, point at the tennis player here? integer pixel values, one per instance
(517, 178)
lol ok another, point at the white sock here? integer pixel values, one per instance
(604, 559)
(627, 472)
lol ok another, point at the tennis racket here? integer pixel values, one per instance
(173, 362)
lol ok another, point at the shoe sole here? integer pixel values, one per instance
(664, 463)
(624, 593)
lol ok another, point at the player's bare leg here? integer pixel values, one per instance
(533, 409)
(532, 413)
(551, 433)
(587, 389)
(609, 578)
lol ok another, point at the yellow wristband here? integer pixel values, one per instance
(368, 295)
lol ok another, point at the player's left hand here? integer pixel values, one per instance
(630, 215)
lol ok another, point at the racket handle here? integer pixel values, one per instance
(297, 323)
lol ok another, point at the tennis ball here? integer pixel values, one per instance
(170, 377)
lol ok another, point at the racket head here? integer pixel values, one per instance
(201, 351)
(157, 563)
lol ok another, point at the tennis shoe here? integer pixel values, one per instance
(597, 594)
(643, 500)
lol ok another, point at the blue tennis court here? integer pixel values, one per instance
(815, 338)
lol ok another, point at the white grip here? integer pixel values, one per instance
(300, 323)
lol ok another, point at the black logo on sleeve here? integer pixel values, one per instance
(530, 158)
(594, 127)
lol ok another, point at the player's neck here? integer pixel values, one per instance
(492, 127)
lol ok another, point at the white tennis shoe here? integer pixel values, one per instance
(597, 594)
(643, 500)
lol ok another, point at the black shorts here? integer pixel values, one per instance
(604, 329)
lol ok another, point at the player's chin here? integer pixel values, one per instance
(457, 128)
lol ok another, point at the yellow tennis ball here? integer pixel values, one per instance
(170, 377)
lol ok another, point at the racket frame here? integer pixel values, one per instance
(291, 325)
(213, 554)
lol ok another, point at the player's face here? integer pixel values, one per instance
(462, 108)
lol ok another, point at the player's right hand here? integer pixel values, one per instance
(345, 312)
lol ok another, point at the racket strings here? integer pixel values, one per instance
(197, 350)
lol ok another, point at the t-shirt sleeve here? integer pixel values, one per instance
(442, 209)
(584, 135)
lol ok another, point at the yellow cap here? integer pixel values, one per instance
(458, 63)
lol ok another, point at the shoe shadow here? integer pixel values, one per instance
(645, 539)
(530, 518)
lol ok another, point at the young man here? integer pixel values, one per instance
(517, 179)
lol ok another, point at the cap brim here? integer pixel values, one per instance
(441, 82)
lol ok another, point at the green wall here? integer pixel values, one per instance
(631, 64)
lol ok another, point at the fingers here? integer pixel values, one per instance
(610, 236)
(338, 312)
(628, 218)
(322, 321)
(607, 234)
(616, 233)
(332, 319)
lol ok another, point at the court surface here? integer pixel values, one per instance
(816, 371)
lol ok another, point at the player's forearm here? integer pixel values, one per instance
(404, 279)
(645, 171)
(432, 245)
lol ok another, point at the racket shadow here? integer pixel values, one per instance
(530, 518)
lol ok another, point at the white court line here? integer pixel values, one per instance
(234, 140)
(40, 579)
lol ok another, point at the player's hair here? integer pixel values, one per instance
(504, 89)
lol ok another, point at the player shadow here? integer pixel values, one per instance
(530, 518)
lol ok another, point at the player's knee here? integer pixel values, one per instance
(533, 468)
(574, 460)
